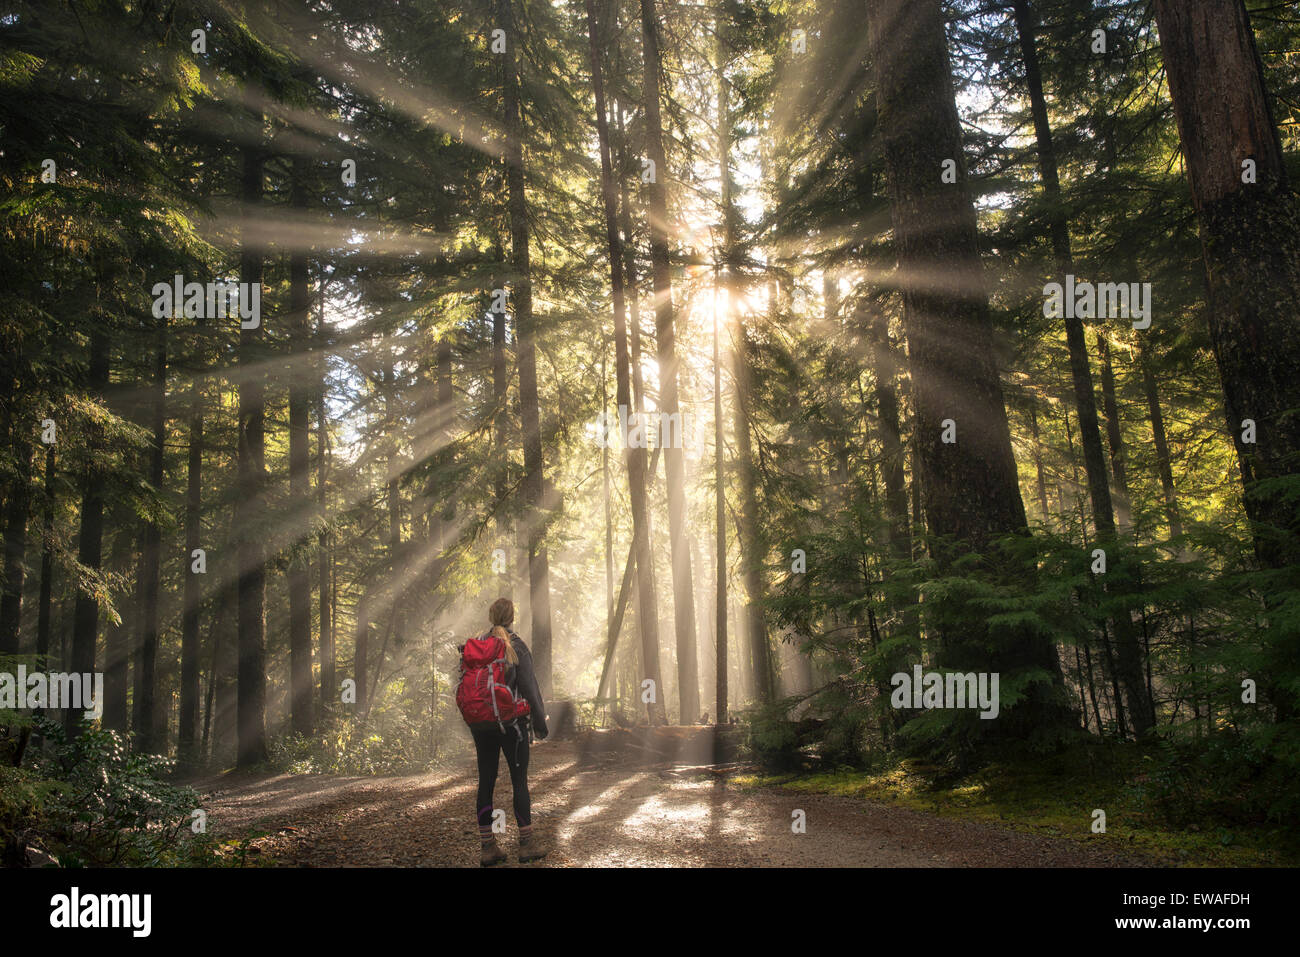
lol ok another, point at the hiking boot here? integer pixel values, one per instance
(530, 848)
(491, 853)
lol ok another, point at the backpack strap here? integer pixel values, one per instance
(492, 694)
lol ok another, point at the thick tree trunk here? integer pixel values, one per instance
(970, 486)
(534, 484)
(647, 614)
(688, 687)
(1250, 234)
(302, 719)
(250, 507)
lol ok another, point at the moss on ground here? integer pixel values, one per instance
(1056, 795)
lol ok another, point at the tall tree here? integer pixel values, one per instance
(148, 738)
(1085, 399)
(85, 621)
(969, 486)
(534, 484)
(635, 454)
(1248, 213)
(1160, 439)
(688, 687)
(328, 680)
(45, 601)
(250, 506)
(17, 507)
(187, 744)
(1249, 216)
(300, 389)
(723, 286)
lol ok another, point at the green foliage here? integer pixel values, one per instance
(1235, 777)
(772, 738)
(94, 802)
(391, 743)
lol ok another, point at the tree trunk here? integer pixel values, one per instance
(1250, 234)
(1040, 480)
(1114, 435)
(719, 446)
(630, 286)
(329, 690)
(1103, 509)
(1250, 237)
(117, 637)
(749, 534)
(1161, 441)
(1094, 461)
(85, 620)
(534, 484)
(889, 433)
(361, 655)
(396, 586)
(15, 546)
(969, 487)
(148, 735)
(299, 571)
(500, 433)
(250, 506)
(187, 745)
(606, 501)
(43, 613)
(647, 608)
(688, 687)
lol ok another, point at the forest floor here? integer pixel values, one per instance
(599, 811)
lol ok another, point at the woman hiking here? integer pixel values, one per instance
(500, 701)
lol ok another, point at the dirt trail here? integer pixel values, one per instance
(605, 815)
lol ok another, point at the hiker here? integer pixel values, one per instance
(500, 701)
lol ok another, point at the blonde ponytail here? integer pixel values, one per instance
(502, 615)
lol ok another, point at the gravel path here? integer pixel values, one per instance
(597, 815)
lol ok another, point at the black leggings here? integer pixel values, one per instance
(489, 742)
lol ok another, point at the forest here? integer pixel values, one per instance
(838, 388)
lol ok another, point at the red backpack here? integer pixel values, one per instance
(483, 694)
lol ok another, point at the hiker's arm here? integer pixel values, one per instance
(528, 688)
